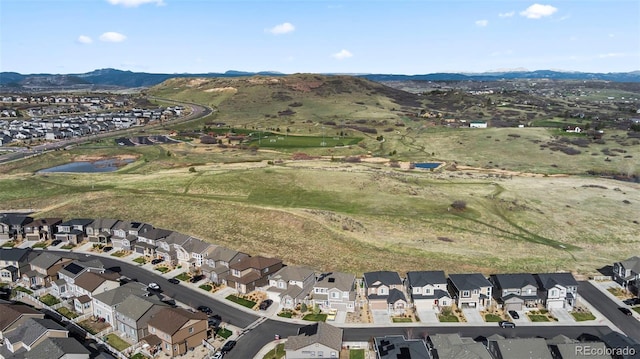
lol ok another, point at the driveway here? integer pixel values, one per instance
(472, 315)
(380, 316)
(428, 316)
(563, 316)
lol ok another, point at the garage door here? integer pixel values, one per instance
(513, 306)
(555, 304)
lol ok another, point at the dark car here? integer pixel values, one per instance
(632, 301)
(174, 281)
(205, 309)
(625, 311)
(505, 324)
(156, 261)
(214, 321)
(107, 249)
(514, 314)
(265, 304)
(56, 242)
(228, 346)
(196, 278)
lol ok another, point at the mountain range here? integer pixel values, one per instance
(129, 79)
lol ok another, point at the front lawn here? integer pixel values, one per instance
(49, 300)
(9, 244)
(315, 317)
(40, 245)
(277, 352)
(68, 246)
(163, 270)
(492, 318)
(183, 277)
(637, 309)
(581, 317)
(538, 318)
(225, 333)
(113, 340)
(285, 314)
(206, 287)
(243, 302)
(448, 316)
(67, 313)
(356, 354)
(401, 320)
(119, 254)
(139, 356)
(140, 260)
(23, 289)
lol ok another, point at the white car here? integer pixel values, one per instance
(217, 355)
(153, 286)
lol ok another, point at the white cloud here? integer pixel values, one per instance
(112, 37)
(283, 28)
(507, 14)
(482, 23)
(538, 11)
(611, 54)
(84, 39)
(343, 54)
(135, 3)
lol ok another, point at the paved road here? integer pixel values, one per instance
(251, 342)
(629, 325)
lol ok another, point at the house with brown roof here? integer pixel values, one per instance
(320, 340)
(88, 284)
(291, 285)
(133, 315)
(252, 272)
(216, 265)
(147, 242)
(13, 315)
(42, 229)
(177, 330)
(44, 269)
(101, 230)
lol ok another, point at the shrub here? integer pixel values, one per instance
(459, 205)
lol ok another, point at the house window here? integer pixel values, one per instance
(335, 295)
(266, 270)
(475, 291)
(466, 294)
(553, 293)
(381, 291)
(190, 330)
(153, 330)
(427, 291)
(236, 273)
(281, 285)
(166, 345)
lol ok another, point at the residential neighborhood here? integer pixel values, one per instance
(108, 304)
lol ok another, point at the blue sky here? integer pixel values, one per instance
(317, 36)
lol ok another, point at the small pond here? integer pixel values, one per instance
(428, 165)
(107, 165)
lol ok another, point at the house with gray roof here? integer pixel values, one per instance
(104, 304)
(557, 290)
(515, 291)
(65, 286)
(147, 242)
(73, 231)
(453, 346)
(133, 314)
(44, 269)
(428, 290)
(32, 332)
(216, 266)
(125, 233)
(470, 290)
(193, 252)
(12, 315)
(291, 285)
(335, 290)
(627, 274)
(577, 350)
(320, 340)
(252, 272)
(101, 230)
(396, 346)
(11, 260)
(12, 225)
(42, 229)
(384, 290)
(519, 348)
(166, 249)
(58, 348)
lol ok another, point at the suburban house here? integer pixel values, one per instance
(12, 225)
(627, 273)
(44, 269)
(126, 233)
(147, 242)
(516, 348)
(428, 290)
(515, 291)
(11, 261)
(291, 285)
(319, 340)
(101, 230)
(133, 314)
(193, 252)
(42, 229)
(73, 231)
(13, 315)
(178, 330)
(563, 347)
(65, 286)
(31, 333)
(58, 348)
(104, 304)
(558, 290)
(89, 284)
(252, 272)
(216, 267)
(335, 290)
(384, 291)
(452, 346)
(470, 290)
(396, 346)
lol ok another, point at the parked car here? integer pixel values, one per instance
(514, 314)
(153, 286)
(174, 281)
(156, 261)
(107, 249)
(632, 301)
(214, 321)
(265, 304)
(205, 309)
(228, 346)
(196, 278)
(625, 311)
(506, 324)
(218, 355)
(56, 242)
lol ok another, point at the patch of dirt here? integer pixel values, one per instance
(92, 158)
(222, 89)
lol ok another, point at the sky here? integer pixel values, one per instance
(319, 36)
